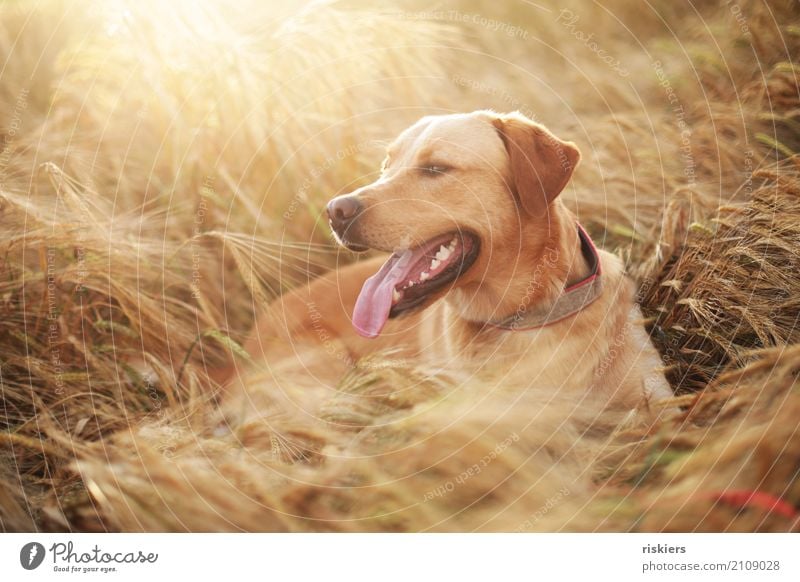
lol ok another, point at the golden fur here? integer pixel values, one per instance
(507, 172)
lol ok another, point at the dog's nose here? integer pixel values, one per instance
(342, 210)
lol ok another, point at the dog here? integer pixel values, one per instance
(486, 266)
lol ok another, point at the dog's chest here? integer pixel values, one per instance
(547, 356)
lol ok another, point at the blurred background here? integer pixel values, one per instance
(165, 165)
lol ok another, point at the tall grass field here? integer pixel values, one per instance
(164, 170)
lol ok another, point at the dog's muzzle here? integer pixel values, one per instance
(342, 214)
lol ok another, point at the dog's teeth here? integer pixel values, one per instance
(395, 295)
(424, 276)
(435, 264)
(410, 284)
(443, 253)
(453, 243)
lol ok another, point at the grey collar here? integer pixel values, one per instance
(574, 298)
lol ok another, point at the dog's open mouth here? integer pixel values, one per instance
(409, 277)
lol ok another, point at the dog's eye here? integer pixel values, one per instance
(434, 170)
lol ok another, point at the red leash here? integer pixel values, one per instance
(759, 499)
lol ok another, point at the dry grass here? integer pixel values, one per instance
(162, 173)
(733, 288)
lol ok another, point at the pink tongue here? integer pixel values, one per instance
(375, 300)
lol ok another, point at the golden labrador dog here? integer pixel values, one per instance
(486, 266)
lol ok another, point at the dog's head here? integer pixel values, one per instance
(454, 195)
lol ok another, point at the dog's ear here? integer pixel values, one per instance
(541, 164)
